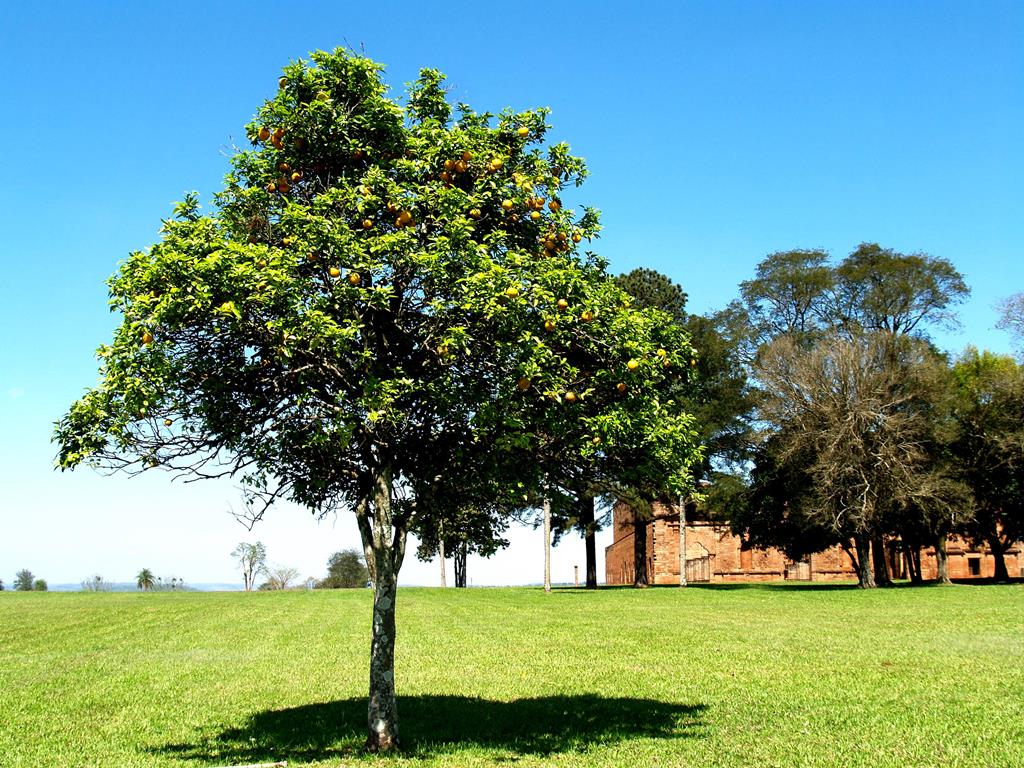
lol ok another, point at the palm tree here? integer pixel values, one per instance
(145, 580)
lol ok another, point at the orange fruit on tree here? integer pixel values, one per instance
(661, 353)
(497, 164)
(264, 133)
(534, 215)
(474, 213)
(272, 187)
(282, 82)
(367, 223)
(512, 292)
(460, 166)
(276, 142)
(296, 176)
(595, 440)
(284, 167)
(507, 204)
(632, 365)
(449, 164)
(570, 397)
(587, 316)
(554, 205)
(404, 217)
(549, 325)
(562, 305)
(467, 155)
(576, 237)
(147, 337)
(392, 207)
(334, 272)
(621, 387)
(523, 132)
(354, 278)
(445, 176)
(287, 241)
(279, 133)
(523, 384)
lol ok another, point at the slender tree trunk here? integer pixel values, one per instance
(878, 558)
(590, 537)
(547, 544)
(865, 577)
(913, 554)
(942, 559)
(999, 555)
(384, 545)
(440, 554)
(640, 580)
(460, 563)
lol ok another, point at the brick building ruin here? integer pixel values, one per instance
(715, 554)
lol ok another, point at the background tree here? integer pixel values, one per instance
(96, 583)
(280, 577)
(345, 570)
(461, 530)
(40, 585)
(874, 300)
(863, 425)
(252, 560)
(145, 580)
(2, 585)
(1011, 319)
(990, 448)
(714, 391)
(367, 300)
(23, 580)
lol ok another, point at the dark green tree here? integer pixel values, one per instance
(145, 580)
(345, 570)
(40, 585)
(380, 288)
(23, 580)
(990, 448)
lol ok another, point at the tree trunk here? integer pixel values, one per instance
(865, 577)
(460, 563)
(639, 552)
(384, 546)
(878, 558)
(547, 544)
(998, 554)
(913, 555)
(440, 554)
(942, 559)
(590, 537)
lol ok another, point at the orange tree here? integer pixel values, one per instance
(380, 291)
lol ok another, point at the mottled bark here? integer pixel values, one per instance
(865, 577)
(586, 514)
(459, 561)
(640, 580)
(998, 547)
(880, 562)
(384, 544)
(942, 559)
(547, 544)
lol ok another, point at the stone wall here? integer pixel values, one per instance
(717, 555)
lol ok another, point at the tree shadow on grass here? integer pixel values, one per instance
(446, 724)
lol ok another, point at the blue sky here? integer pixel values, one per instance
(715, 132)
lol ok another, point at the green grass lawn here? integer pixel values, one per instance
(707, 676)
